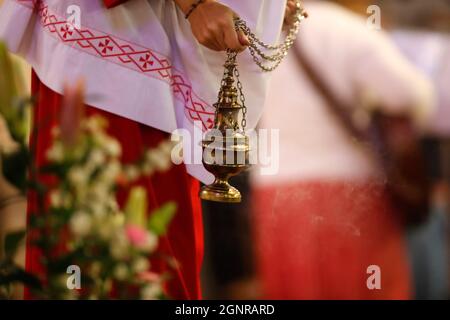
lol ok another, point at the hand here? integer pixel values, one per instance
(291, 8)
(213, 26)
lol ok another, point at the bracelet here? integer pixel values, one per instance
(193, 7)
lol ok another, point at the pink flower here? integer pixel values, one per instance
(149, 276)
(141, 238)
(136, 235)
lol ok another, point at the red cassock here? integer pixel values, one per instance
(184, 240)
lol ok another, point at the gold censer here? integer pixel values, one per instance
(226, 147)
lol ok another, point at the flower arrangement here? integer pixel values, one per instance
(78, 223)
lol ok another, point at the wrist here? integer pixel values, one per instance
(186, 5)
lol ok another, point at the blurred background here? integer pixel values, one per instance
(314, 230)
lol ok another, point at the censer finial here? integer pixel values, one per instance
(226, 146)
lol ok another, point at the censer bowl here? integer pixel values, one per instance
(221, 190)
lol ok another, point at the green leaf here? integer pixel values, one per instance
(7, 85)
(11, 92)
(160, 219)
(12, 241)
(136, 207)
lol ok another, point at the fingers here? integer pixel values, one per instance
(213, 26)
(243, 39)
(292, 5)
(210, 39)
(291, 8)
(211, 45)
(234, 40)
(217, 38)
(221, 38)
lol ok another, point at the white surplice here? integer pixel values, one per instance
(139, 60)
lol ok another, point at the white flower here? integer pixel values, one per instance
(100, 139)
(106, 229)
(119, 246)
(78, 176)
(151, 291)
(158, 159)
(151, 242)
(80, 224)
(131, 172)
(121, 272)
(58, 199)
(112, 147)
(112, 204)
(111, 171)
(166, 147)
(55, 199)
(96, 158)
(95, 124)
(97, 208)
(98, 191)
(55, 153)
(140, 265)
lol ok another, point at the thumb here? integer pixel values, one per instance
(243, 39)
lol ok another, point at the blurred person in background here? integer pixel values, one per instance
(428, 47)
(325, 220)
